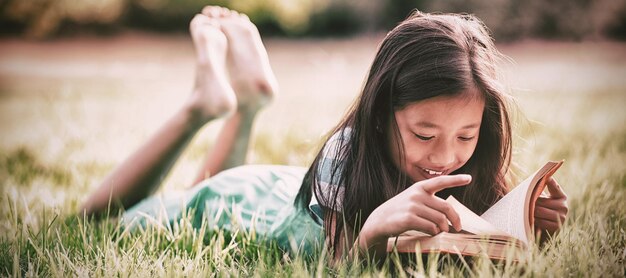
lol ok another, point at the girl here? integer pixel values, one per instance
(430, 122)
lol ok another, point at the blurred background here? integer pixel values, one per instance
(83, 83)
(507, 19)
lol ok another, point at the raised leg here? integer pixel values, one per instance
(212, 97)
(254, 83)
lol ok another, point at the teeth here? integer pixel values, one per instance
(432, 172)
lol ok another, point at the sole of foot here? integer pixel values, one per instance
(212, 96)
(249, 69)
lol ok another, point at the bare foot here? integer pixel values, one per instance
(250, 72)
(212, 95)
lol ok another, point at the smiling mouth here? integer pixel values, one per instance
(433, 172)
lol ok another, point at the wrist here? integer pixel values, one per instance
(371, 239)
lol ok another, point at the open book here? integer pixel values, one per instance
(503, 228)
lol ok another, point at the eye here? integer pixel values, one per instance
(466, 138)
(424, 138)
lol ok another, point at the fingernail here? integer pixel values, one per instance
(466, 177)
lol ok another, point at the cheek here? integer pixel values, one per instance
(466, 152)
(409, 154)
(413, 152)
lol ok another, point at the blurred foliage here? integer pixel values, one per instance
(565, 19)
(508, 19)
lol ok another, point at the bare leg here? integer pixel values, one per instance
(254, 84)
(212, 97)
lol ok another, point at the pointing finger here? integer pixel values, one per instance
(437, 184)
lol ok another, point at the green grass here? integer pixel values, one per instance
(41, 236)
(47, 173)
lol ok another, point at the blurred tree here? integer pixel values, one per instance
(163, 15)
(287, 16)
(397, 10)
(608, 18)
(341, 18)
(40, 18)
(616, 27)
(557, 19)
(507, 19)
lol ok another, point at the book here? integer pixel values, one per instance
(499, 232)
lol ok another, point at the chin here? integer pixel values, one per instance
(415, 177)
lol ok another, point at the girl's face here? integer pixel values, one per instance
(439, 135)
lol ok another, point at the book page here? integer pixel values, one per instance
(508, 213)
(470, 222)
(514, 212)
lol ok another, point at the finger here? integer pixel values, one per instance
(547, 214)
(437, 184)
(558, 215)
(554, 204)
(424, 225)
(435, 217)
(446, 209)
(560, 219)
(547, 225)
(555, 189)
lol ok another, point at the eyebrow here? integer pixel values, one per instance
(432, 125)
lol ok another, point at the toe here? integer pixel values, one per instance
(211, 11)
(197, 20)
(224, 12)
(243, 16)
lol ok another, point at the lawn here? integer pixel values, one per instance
(72, 109)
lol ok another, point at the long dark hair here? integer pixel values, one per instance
(425, 56)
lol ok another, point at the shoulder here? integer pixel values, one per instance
(329, 180)
(334, 150)
(337, 142)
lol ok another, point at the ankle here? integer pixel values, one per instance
(196, 114)
(193, 116)
(248, 112)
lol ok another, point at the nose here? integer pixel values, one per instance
(442, 155)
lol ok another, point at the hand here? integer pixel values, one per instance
(550, 212)
(415, 208)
